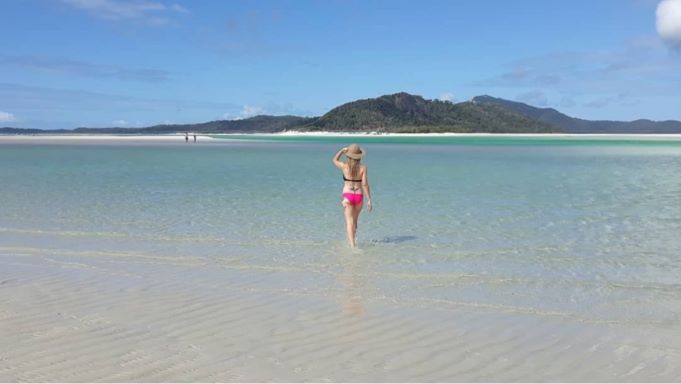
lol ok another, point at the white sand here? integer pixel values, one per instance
(34, 139)
(113, 316)
(545, 135)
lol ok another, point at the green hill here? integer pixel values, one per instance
(402, 112)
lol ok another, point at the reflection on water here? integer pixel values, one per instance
(353, 279)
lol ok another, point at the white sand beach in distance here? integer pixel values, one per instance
(637, 136)
(99, 138)
(375, 133)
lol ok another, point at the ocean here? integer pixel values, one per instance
(579, 232)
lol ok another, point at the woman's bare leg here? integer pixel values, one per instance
(355, 215)
(350, 224)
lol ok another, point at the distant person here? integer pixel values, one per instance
(195, 138)
(186, 137)
(355, 187)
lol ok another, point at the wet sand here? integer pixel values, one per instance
(71, 317)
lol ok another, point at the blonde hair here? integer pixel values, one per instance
(353, 168)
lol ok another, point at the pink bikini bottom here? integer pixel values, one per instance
(353, 198)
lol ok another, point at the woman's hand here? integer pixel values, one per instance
(369, 205)
(344, 149)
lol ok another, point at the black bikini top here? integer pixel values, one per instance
(354, 181)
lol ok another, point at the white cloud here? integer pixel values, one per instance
(270, 108)
(246, 112)
(669, 22)
(118, 10)
(126, 123)
(250, 111)
(447, 96)
(6, 117)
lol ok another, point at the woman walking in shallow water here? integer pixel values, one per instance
(355, 187)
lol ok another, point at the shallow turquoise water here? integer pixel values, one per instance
(583, 229)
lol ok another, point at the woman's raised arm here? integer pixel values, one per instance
(336, 158)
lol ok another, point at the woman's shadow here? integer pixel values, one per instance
(396, 239)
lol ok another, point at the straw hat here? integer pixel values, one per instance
(354, 152)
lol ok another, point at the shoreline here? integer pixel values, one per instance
(209, 136)
(176, 138)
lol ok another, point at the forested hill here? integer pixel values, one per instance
(402, 112)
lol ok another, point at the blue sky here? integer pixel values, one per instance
(97, 63)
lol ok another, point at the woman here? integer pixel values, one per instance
(355, 187)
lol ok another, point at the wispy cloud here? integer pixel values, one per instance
(84, 69)
(58, 108)
(669, 22)
(48, 98)
(286, 108)
(245, 34)
(128, 10)
(270, 108)
(179, 8)
(621, 98)
(250, 111)
(6, 117)
(125, 123)
(642, 68)
(534, 97)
